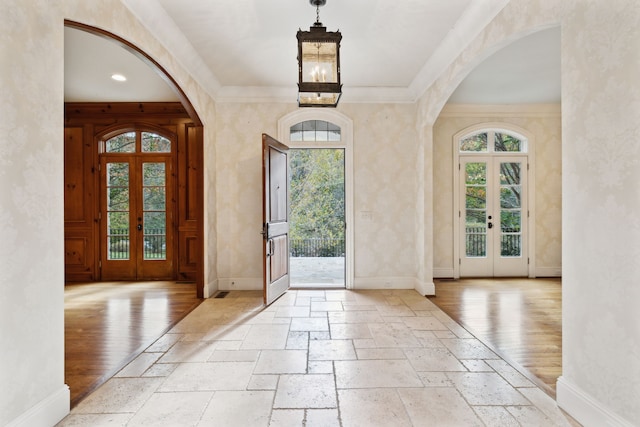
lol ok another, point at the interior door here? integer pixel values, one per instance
(275, 201)
(493, 216)
(136, 217)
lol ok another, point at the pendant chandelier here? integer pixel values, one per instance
(319, 64)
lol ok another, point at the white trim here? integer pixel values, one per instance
(346, 136)
(210, 288)
(584, 407)
(548, 271)
(240, 284)
(443, 273)
(531, 207)
(425, 288)
(47, 412)
(500, 111)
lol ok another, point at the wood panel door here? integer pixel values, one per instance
(136, 217)
(275, 202)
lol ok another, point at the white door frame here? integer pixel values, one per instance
(529, 151)
(345, 143)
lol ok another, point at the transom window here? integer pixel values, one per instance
(138, 142)
(314, 131)
(493, 141)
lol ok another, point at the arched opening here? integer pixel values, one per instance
(134, 223)
(322, 137)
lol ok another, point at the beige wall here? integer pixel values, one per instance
(543, 123)
(384, 151)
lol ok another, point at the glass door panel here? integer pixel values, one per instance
(118, 232)
(475, 227)
(154, 213)
(510, 209)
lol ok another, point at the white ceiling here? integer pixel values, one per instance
(246, 50)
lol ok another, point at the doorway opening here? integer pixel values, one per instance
(317, 216)
(492, 210)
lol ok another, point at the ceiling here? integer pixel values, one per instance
(246, 50)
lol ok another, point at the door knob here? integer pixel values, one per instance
(490, 225)
(139, 227)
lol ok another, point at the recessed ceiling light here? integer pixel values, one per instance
(118, 77)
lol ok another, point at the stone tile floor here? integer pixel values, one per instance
(318, 358)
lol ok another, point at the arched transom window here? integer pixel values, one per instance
(315, 131)
(138, 142)
(493, 141)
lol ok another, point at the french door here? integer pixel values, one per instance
(136, 217)
(493, 216)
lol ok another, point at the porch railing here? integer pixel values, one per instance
(317, 247)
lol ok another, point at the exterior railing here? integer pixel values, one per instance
(317, 247)
(476, 242)
(155, 243)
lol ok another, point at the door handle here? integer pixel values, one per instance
(139, 227)
(490, 225)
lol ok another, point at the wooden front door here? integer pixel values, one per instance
(275, 201)
(136, 216)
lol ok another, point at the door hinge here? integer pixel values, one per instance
(528, 261)
(99, 215)
(99, 264)
(459, 261)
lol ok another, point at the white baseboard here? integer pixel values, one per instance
(584, 408)
(425, 288)
(443, 273)
(210, 289)
(548, 271)
(241, 284)
(47, 412)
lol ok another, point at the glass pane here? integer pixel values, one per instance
(510, 196)
(476, 197)
(123, 143)
(509, 173)
(153, 174)
(117, 174)
(334, 132)
(476, 244)
(154, 198)
(295, 133)
(314, 130)
(154, 143)
(510, 245)
(510, 221)
(477, 142)
(504, 142)
(118, 235)
(476, 173)
(476, 219)
(155, 235)
(322, 133)
(118, 199)
(319, 62)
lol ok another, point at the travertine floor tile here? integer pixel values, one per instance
(372, 408)
(310, 324)
(282, 362)
(259, 337)
(331, 350)
(95, 420)
(441, 406)
(172, 409)
(119, 395)
(306, 391)
(287, 418)
(468, 349)
(322, 418)
(433, 359)
(375, 374)
(496, 416)
(238, 408)
(139, 365)
(209, 376)
(484, 388)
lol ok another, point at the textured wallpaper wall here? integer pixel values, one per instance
(601, 196)
(384, 188)
(545, 127)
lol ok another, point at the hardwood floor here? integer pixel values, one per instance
(520, 319)
(108, 324)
